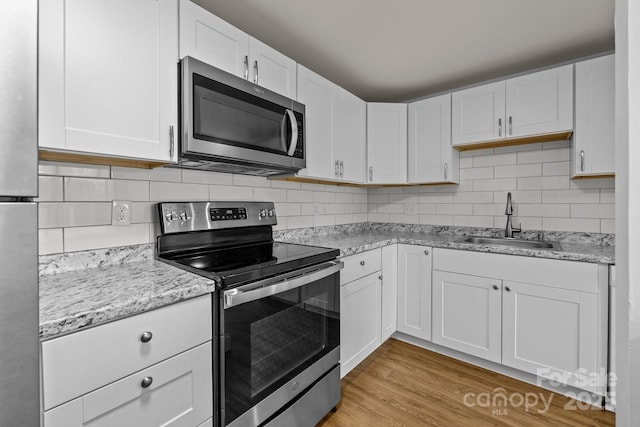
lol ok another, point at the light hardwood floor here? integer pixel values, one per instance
(404, 385)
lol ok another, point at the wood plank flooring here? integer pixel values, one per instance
(404, 385)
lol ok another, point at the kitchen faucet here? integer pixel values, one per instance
(508, 229)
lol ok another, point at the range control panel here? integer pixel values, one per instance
(180, 217)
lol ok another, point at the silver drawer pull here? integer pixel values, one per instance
(426, 252)
(146, 336)
(508, 289)
(146, 382)
(495, 287)
(362, 262)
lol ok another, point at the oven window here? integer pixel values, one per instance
(269, 341)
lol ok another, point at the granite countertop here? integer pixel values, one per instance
(82, 289)
(350, 243)
(76, 299)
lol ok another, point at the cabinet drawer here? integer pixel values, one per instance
(180, 394)
(360, 265)
(78, 363)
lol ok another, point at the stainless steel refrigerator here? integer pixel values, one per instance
(19, 361)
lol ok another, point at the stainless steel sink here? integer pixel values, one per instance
(518, 243)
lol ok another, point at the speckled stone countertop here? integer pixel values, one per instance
(72, 300)
(83, 289)
(350, 243)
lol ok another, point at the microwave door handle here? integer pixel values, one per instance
(239, 296)
(294, 133)
(283, 133)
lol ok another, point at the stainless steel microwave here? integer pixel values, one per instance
(229, 124)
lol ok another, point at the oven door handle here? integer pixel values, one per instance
(276, 285)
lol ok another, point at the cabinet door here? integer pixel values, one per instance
(552, 332)
(208, 38)
(431, 158)
(108, 76)
(540, 102)
(389, 290)
(414, 291)
(351, 142)
(467, 314)
(180, 394)
(360, 309)
(477, 114)
(271, 69)
(320, 97)
(387, 143)
(593, 139)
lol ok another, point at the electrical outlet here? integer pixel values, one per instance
(121, 213)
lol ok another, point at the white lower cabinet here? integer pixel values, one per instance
(414, 291)
(546, 317)
(360, 320)
(367, 304)
(179, 394)
(467, 314)
(151, 369)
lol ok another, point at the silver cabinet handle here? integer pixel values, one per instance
(371, 173)
(171, 142)
(508, 289)
(582, 160)
(146, 336)
(146, 382)
(255, 68)
(499, 127)
(510, 126)
(426, 252)
(341, 168)
(495, 287)
(362, 262)
(336, 168)
(445, 171)
(246, 67)
(380, 277)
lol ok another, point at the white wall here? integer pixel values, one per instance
(75, 202)
(538, 176)
(628, 210)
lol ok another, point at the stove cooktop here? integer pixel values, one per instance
(237, 265)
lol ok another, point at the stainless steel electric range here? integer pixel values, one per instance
(277, 311)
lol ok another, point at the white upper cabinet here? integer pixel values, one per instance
(534, 104)
(351, 142)
(108, 77)
(210, 39)
(431, 157)
(593, 140)
(386, 143)
(335, 129)
(320, 97)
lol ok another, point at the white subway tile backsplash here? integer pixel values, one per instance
(300, 221)
(600, 210)
(436, 219)
(556, 168)
(473, 221)
(323, 197)
(68, 214)
(143, 212)
(494, 184)
(391, 208)
(608, 226)
(571, 224)
(177, 192)
(542, 156)
(269, 194)
(299, 196)
(427, 208)
(532, 196)
(473, 197)
(229, 192)
(50, 241)
(205, 177)
(85, 238)
(378, 198)
(87, 190)
(544, 210)
(73, 169)
(322, 220)
(403, 218)
(276, 183)
(495, 160)
(476, 173)
(564, 143)
(288, 209)
(251, 181)
(378, 217)
(50, 189)
(511, 171)
(454, 209)
(571, 196)
(584, 184)
(466, 162)
(544, 183)
(607, 195)
(436, 198)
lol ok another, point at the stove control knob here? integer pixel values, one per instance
(271, 213)
(262, 214)
(184, 216)
(171, 216)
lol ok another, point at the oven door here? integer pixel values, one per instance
(278, 337)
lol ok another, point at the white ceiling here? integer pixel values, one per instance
(405, 49)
